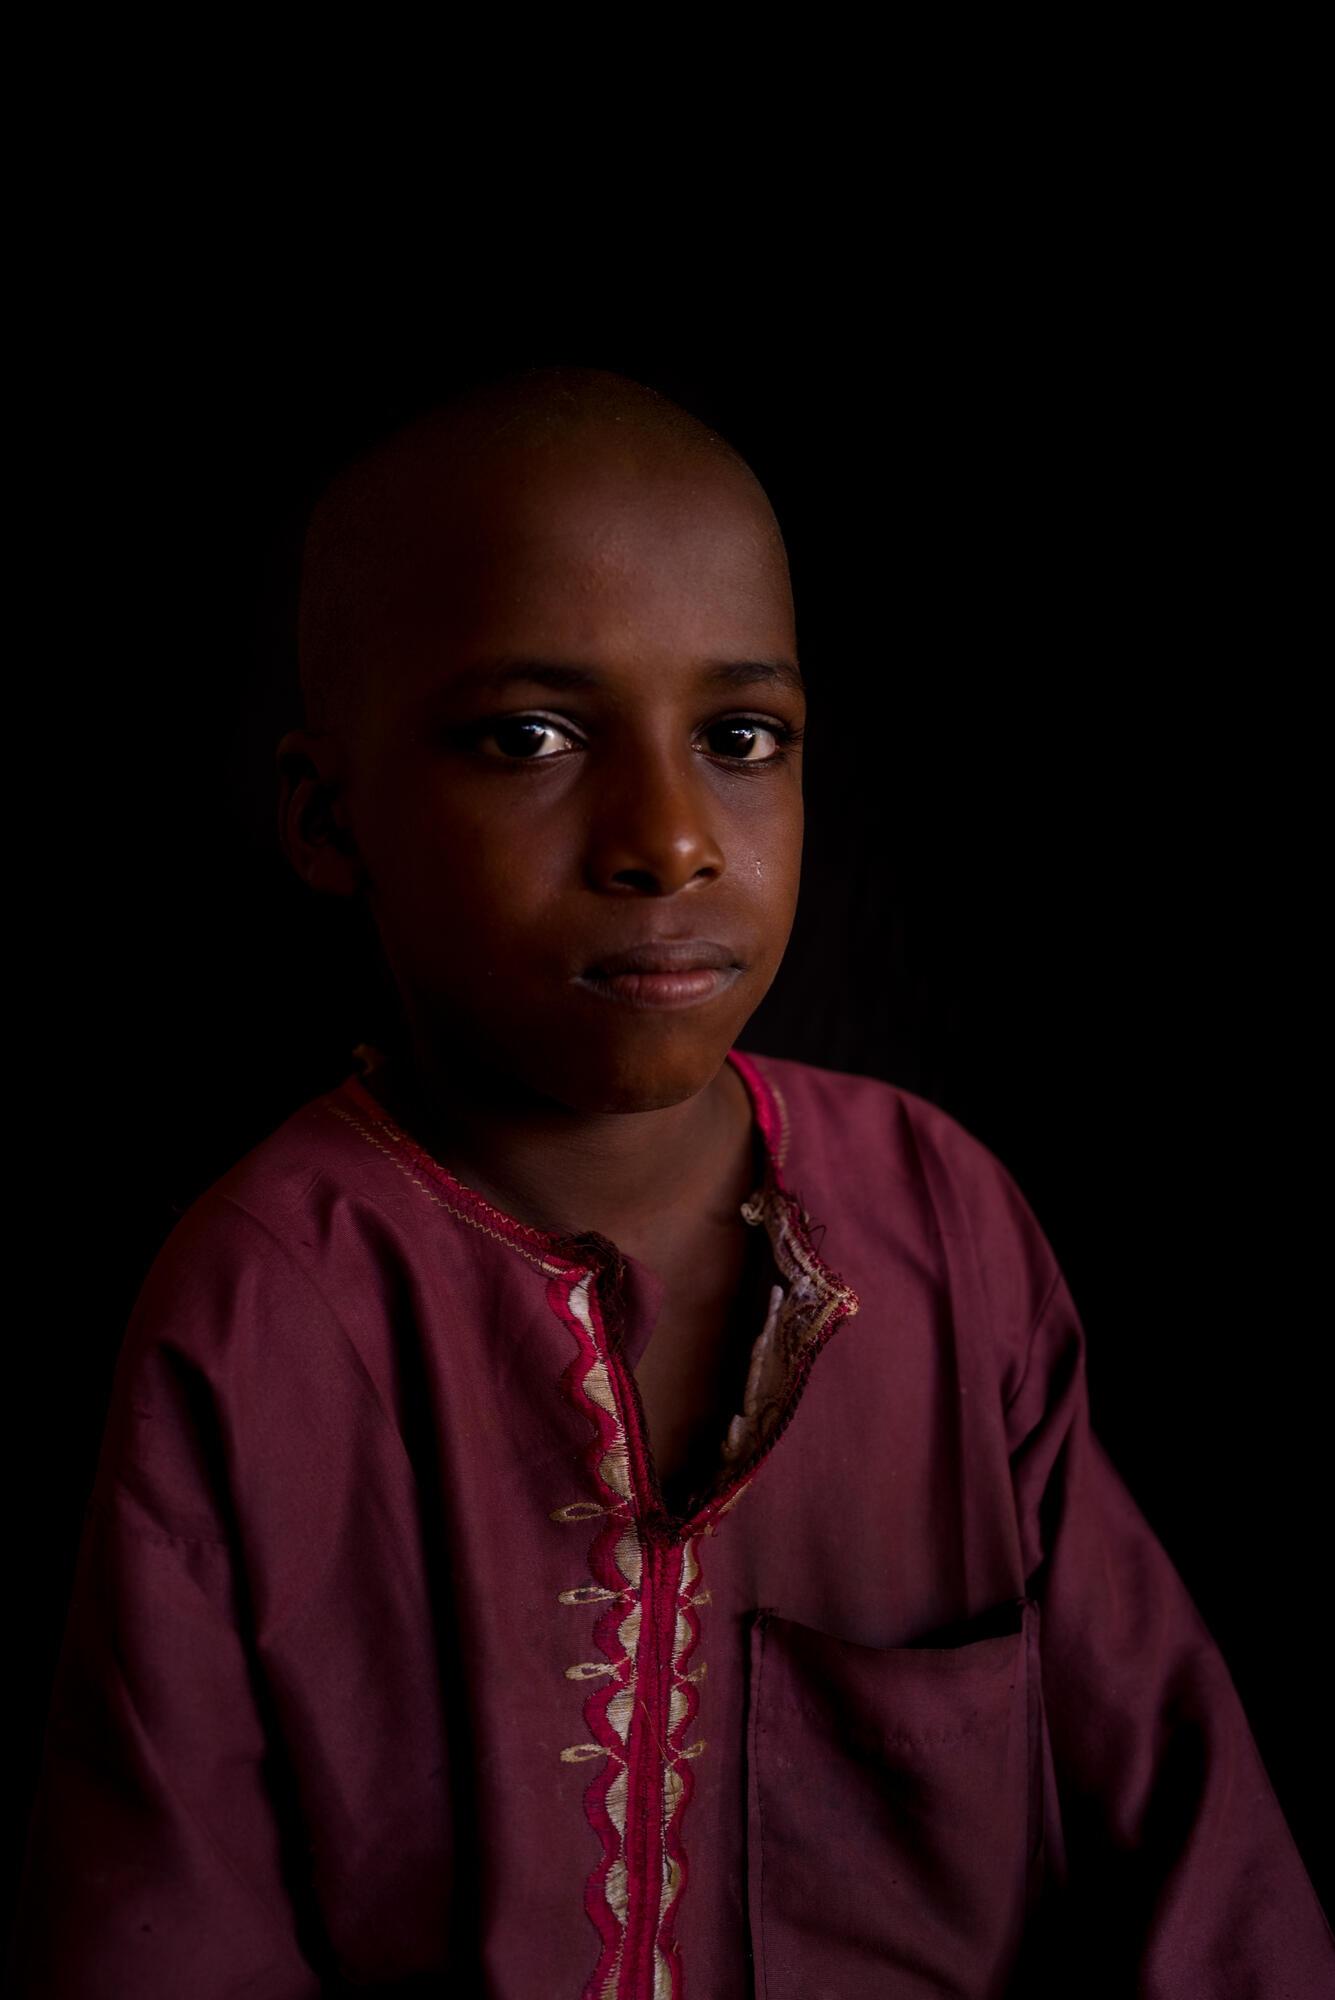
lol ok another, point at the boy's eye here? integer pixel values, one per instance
(747, 740)
(528, 737)
(538, 739)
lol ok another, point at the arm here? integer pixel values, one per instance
(155, 1863)
(1182, 1878)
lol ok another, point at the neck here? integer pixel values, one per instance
(643, 1179)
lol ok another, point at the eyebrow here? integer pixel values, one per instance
(494, 676)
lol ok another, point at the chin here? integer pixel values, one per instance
(638, 1080)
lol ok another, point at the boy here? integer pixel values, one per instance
(585, 1510)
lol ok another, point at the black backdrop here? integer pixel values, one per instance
(1056, 875)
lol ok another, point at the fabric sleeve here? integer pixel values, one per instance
(1182, 1879)
(156, 1861)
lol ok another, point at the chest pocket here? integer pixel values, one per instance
(894, 1809)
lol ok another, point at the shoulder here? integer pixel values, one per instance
(896, 1172)
(245, 1340)
(844, 1115)
(266, 1243)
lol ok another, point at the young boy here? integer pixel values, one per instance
(585, 1510)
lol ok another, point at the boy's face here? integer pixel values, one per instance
(515, 833)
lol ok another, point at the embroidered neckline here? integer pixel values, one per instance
(768, 1110)
(813, 1300)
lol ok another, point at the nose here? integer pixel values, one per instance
(652, 826)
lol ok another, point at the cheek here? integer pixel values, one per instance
(455, 842)
(775, 862)
(768, 855)
(475, 896)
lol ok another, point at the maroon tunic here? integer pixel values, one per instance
(385, 1662)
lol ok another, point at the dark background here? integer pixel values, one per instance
(1058, 878)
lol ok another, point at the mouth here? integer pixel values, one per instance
(676, 972)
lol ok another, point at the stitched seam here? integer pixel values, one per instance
(765, 1109)
(923, 1180)
(785, 1127)
(439, 1171)
(1031, 1340)
(159, 1539)
(461, 1214)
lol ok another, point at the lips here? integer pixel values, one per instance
(665, 955)
(663, 973)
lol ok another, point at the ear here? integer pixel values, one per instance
(313, 823)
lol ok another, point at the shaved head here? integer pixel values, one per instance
(418, 502)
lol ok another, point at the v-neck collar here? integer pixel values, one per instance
(814, 1297)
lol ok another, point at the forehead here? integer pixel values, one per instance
(591, 550)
